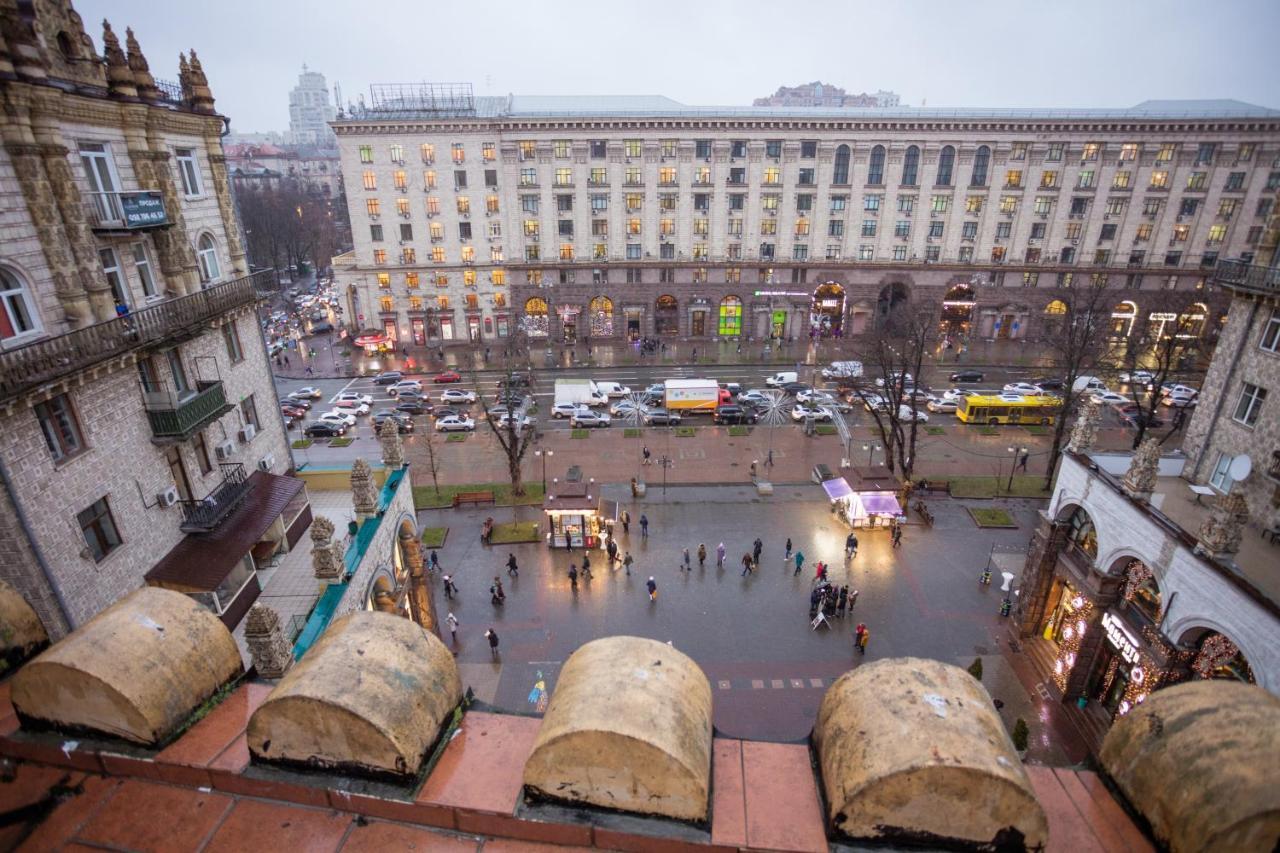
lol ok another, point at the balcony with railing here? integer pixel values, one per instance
(1252, 278)
(43, 361)
(125, 211)
(207, 513)
(176, 416)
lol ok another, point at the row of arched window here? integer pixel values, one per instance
(911, 166)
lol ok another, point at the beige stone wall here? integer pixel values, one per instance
(381, 550)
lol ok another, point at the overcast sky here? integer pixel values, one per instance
(989, 53)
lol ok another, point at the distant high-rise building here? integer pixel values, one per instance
(819, 94)
(310, 111)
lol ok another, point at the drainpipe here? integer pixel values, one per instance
(35, 548)
(1226, 385)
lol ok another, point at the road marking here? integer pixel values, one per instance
(757, 684)
(797, 683)
(816, 683)
(777, 684)
(723, 685)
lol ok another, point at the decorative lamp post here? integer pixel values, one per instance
(544, 454)
(871, 451)
(1013, 464)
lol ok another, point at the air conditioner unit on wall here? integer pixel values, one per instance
(168, 497)
(247, 432)
(224, 450)
(267, 462)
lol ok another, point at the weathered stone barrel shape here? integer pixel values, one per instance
(1201, 761)
(913, 750)
(628, 728)
(135, 671)
(370, 697)
(22, 634)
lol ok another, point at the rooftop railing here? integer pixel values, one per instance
(1251, 277)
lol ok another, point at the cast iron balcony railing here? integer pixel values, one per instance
(1250, 277)
(176, 417)
(125, 211)
(44, 361)
(206, 514)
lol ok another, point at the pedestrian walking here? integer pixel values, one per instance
(897, 536)
(626, 522)
(497, 596)
(512, 568)
(788, 554)
(756, 548)
(857, 636)
(573, 577)
(433, 563)
(799, 561)
(1022, 460)
(452, 622)
(842, 601)
(652, 586)
(769, 460)
(746, 565)
(627, 561)
(612, 550)
(720, 556)
(862, 640)
(286, 361)
(820, 573)
(853, 599)
(685, 566)
(645, 453)
(851, 546)
(644, 526)
(449, 588)
(586, 565)
(492, 636)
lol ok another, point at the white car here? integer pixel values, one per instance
(943, 406)
(455, 423)
(1169, 390)
(1109, 398)
(1179, 401)
(522, 421)
(624, 409)
(1143, 377)
(799, 413)
(310, 392)
(589, 418)
(757, 397)
(1026, 389)
(893, 377)
(823, 398)
(954, 394)
(566, 410)
(457, 395)
(354, 395)
(351, 407)
(405, 385)
(875, 403)
(908, 414)
(338, 417)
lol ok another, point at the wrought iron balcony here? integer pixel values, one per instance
(176, 417)
(125, 211)
(1253, 278)
(44, 361)
(204, 515)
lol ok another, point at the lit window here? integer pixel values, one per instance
(379, 256)
(415, 303)
(634, 201)
(1043, 204)
(528, 149)
(1048, 180)
(1143, 233)
(566, 251)
(397, 153)
(370, 180)
(1121, 180)
(632, 177)
(464, 204)
(459, 153)
(531, 228)
(1196, 180)
(1008, 204)
(408, 256)
(701, 227)
(433, 207)
(366, 153)
(667, 226)
(441, 279)
(1217, 233)
(1129, 151)
(469, 278)
(1013, 178)
(402, 206)
(1091, 150)
(372, 206)
(468, 254)
(442, 302)
(384, 280)
(940, 203)
(564, 177)
(437, 255)
(772, 176)
(491, 204)
(495, 254)
(498, 276)
(633, 226)
(488, 152)
(973, 204)
(632, 147)
(411, 279)
(802, 227)
(769, 227)
(702, 175)
(429, 179)
(401, 180)
(769, 201)
(667, 175)
(428, 153)
(386, 304)
(1180, 233)
(1159, 180)
(598, 177)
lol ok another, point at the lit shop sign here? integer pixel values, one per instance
(1119, 637)
(829, 303)
(1162, 315)
(781, 293)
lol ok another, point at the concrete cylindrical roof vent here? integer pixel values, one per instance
(628, 728)
(1201, 761)
(135, 671)
(913, 750)
(370, 697)
(22, 634)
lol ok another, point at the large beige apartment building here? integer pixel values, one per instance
(136, 403)
(611, 217)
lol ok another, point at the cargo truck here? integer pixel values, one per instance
(689, 396)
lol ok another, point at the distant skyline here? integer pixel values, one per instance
(985, 53)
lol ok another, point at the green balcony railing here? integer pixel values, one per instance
(180, 418)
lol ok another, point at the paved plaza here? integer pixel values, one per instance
(751, 635)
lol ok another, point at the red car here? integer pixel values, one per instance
(447, 376)
(293, 413)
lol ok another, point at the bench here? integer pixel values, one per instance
(923, 508)
(932, 487)
(476, 498)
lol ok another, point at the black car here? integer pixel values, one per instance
(1132, 416)
(448, 412)
(734, 414)
(390, 377)
(511, 398)
(967, 376)
(516, 380)
(296, 402)
(319, 328)
(411, 407)
(1048, 383)
(794, 388)
(404, 423)
(320, 429)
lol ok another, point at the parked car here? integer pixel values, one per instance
(624, 409)
(656, 388)
(448, 412)
(388, 377)
(734, 414)
(412, 407)
(734, 388)
(957, 393)
(337, 417)
(356, 396)
(297, 403)
(309, 392)
(351, 407)
(403, 422)
(1132, 414)
(1169, 389)
(968, 376)
(455, 423)
(405, 386)
(1179, 400)
(324, 429)
(794, 388)
(504, 419)
(292, 413)
(942, 406)
(566, 410)
(1137, 377)
(758, 397)
(799, 413)
(588, 418)
(1026, 389)
(660, 417)
(446, 376)
(457, 395)
(418, 396)
(1109, 398)
(908, 414)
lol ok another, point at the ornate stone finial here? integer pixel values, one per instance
(147, 89)
(184, 77)
(201, 95)
(1085, 430)
(1140, 480)
(363, 494)
(263, 634)
(1221, 532)
(326, 554)
(392, 447)
(119, 76)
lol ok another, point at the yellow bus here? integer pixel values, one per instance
(1007, 409)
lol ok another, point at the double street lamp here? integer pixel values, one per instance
(1014, 453)
(871, 451)
(544, 454)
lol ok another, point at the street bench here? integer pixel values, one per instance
(931, 487)
(923, 508)
(476, 498)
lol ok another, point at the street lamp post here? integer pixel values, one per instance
(871, 450)
(544, 454)
(665, 462)
(1013, 465)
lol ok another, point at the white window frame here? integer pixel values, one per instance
(146, 272)
(1270, 341)
(114, 273)
(210, 264)
(1257, 397)
(102, 179)
(1220, 479)
(19, 307)
(189, 169)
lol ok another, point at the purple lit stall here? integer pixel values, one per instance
(869, 508)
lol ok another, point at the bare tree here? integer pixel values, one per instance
(517, 432)
(1076, 337)
(1164, 353)
(285, 224)
(433, 464)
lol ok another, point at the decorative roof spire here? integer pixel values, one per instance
(184, 77)
(120, 81)
(146, 84)
(201, 96)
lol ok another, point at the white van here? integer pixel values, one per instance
(842, 370)
(1088, 383)
(613, 389)
(779, 379)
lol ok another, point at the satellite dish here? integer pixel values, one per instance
(1240, 467)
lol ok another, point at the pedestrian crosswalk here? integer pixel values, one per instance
(774, 683)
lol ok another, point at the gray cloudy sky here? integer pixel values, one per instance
(993, 53)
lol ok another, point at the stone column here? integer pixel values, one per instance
(1037, 577)
(326, 554)
(271, 653)
(392, 446)
(1084, 432)
(1140, 480)
(1092, 641)
(421, 606)
(363, 493)
(1219, 535)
